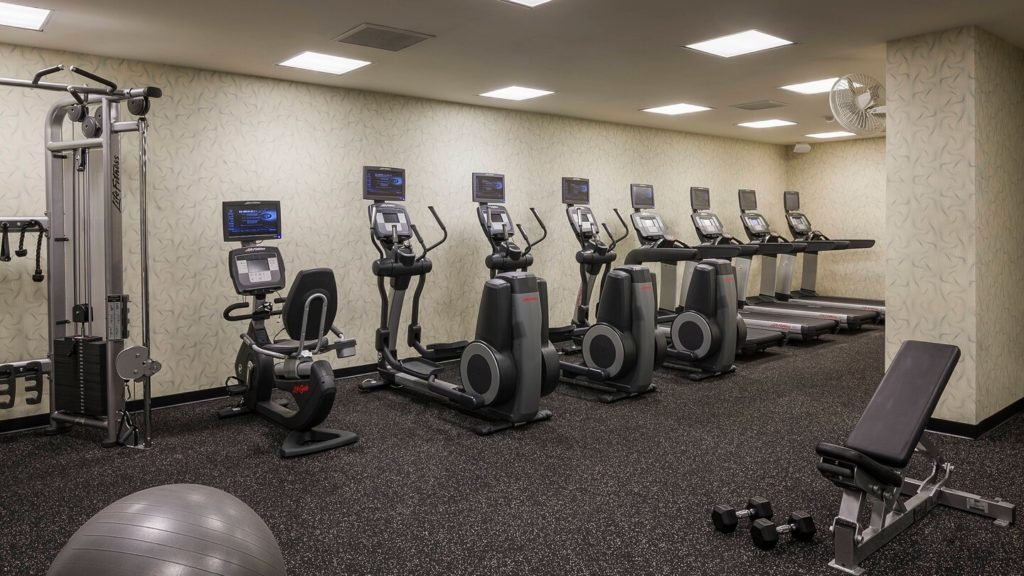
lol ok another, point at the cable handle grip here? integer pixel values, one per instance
(46, 72)
(94, 77)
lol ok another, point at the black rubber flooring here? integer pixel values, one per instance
(600, 489)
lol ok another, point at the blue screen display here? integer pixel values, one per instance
(488, 188)
(383, 184)
(252, 221)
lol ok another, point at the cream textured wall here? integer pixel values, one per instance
(931, 219)
(1000, 209)
(842, 191)
(954, 170)
(219, 137)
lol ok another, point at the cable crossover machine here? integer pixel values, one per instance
(87, 364)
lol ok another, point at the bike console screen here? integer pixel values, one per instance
(251, 221)
(575, 191)
(488, 188)
(382, 184)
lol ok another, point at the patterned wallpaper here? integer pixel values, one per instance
(931, 219)
(955, 171)
(1000, 208)
(217, 137)
(842, 191)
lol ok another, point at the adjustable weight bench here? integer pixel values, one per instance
(869, 467)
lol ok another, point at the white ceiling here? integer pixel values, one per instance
(605, 59)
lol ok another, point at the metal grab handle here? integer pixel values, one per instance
(305, 320)
(249, 342)
(94, 77)
(46, 72)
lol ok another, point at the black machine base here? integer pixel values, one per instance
(302, 443)
(486, 421)
(696, 374)
(606, 393)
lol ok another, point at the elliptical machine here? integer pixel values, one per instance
(307, 314)
(706, 329)
(503, 373)
(623, 348)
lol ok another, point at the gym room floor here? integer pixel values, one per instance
(601, 489)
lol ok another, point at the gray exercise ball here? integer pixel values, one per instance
(177, 529)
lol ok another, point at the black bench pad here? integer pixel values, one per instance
(895, 419)
(842, 454)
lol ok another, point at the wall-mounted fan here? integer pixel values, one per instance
(858, 104)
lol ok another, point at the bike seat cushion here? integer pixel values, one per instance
(896, 416)
(317, 288)
(292, 346)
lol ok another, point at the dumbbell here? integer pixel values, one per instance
(766, 534)
(726, 518)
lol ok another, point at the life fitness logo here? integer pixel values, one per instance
(531, 298)
(646, 287)
(300, 389)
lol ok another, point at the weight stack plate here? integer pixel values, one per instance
(79, 376)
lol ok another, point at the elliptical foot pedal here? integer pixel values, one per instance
(302, 443)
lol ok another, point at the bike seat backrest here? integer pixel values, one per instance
(896, 416)
(318, 288)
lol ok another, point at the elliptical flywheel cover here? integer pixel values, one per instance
(606, 348)
(485, 373)
(694, 333)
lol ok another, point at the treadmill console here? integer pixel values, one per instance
(755, 224)
(708, 225)
(256, 270)
(648, 226)
(798, 223)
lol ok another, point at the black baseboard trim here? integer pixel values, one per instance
(975, 431)
(40, 420)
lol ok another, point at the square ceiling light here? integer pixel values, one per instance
(826, 135)
(528, 3)
(516, 93)
(26, 17)
(324, 63)
(676, 109)
(812, 87)
(739, 44)
(773, 123)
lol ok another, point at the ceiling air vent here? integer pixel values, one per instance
(759, 105)
(382, 37)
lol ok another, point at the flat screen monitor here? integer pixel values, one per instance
(488, 188)
(748, 200)
(791, 200)
(575, 191)
(382, 184)
(252, 221)
(642, 196)
(700, 198)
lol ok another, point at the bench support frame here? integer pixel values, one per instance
(890, 515)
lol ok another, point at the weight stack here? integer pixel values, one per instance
(79, 376)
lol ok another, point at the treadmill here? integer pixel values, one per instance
(651, 231)
(768, 299)
(801, 229)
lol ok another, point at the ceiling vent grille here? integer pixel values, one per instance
(760, 105)
(382, 37)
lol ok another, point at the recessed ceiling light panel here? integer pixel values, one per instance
(26, 17)
(516, 93)
(739, 44)
(813, 87)
(324, 63)
(826, 135)
(773, 123)
(676, 109)
(528, 3)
